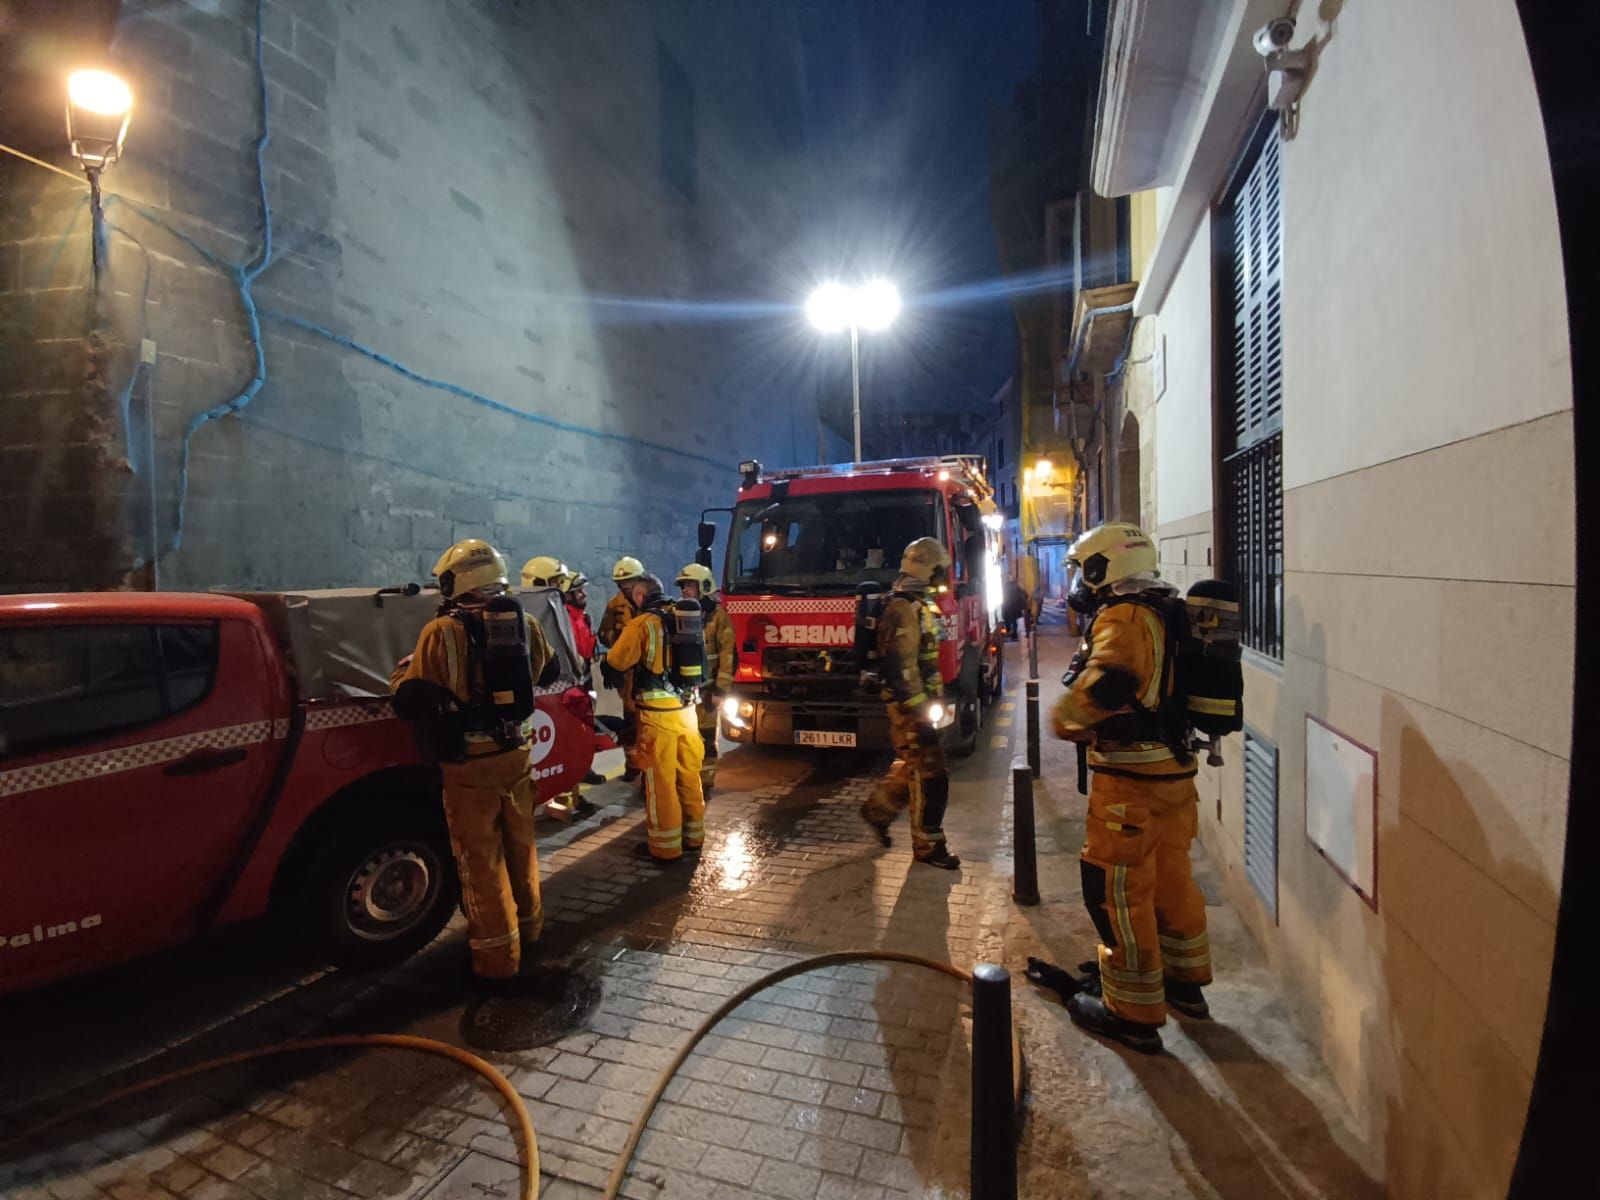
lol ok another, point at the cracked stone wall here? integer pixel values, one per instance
(446, 183)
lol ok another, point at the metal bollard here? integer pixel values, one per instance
(1033, 651)
(994, 1141)
(1033, 727)
(1024, 854)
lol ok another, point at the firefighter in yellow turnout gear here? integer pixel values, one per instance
(908, 654)
(697, 582)
(670, 752)
(1143, 806)
(620, 609)
(478, 688)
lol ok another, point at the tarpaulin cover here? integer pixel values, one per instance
(344, 642)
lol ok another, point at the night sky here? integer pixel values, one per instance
(889, 110)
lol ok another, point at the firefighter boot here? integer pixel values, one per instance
(929, 799)
(1090, 1013)
(1188, 999)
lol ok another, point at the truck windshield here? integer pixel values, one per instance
(827, 543)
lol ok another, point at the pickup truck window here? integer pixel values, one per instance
(67, 683)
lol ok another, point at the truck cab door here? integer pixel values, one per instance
(132, 756)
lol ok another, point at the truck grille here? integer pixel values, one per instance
(822, 663)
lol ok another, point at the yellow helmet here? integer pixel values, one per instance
(1109, 554)
(469, 565)
(696, 573)
(543, 572)
(627, 568)
(924, 559)
(572, 581)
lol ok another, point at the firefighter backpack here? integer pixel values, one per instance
(870, 601)
(1210, 678)
(498, 640)
(686, 644)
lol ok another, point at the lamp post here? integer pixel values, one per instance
(872, 306)
(98, 108)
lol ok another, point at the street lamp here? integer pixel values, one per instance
(98, 106)
(872, 306)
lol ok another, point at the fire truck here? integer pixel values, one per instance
(172, 762)
(801, 543)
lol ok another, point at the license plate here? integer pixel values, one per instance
(823, 737)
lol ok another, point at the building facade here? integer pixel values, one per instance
(1349, 392)
(475, 318)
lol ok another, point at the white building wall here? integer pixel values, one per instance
(1429, 549)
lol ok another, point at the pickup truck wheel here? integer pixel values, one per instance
(378, 894)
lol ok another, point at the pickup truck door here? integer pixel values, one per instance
(132, 756)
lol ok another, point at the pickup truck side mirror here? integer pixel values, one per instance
(703, 556)
(706, 534)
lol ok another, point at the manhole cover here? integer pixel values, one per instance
(546, 1006)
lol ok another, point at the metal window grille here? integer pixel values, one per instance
(1261, 819)
(1249, 233)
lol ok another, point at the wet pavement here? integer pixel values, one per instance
(850, 1082)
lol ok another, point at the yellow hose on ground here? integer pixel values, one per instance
(399, 1041)
(619, 1173)
(524, 1126)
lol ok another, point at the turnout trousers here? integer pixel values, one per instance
(1140, 892)
(918, 780)
(488, 804)
(670, 755)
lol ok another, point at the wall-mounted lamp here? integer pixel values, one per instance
(98, 108)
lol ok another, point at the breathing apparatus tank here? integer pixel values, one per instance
(684, 622)
(498, 635)
(1210, 677)
(870, 601)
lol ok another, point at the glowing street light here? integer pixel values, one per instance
(98, 109)
(872, 306)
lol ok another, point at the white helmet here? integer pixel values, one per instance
(543, 572)
(1105, 556)
(469, 566)
(698, 573)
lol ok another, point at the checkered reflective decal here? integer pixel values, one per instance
(359, 712)
(790, 604)
(79, 767)
(127, 758)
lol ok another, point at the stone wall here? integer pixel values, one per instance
(447, 183)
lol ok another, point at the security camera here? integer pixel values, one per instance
(1274, 36)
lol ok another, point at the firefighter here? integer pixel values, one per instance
(476, 683)
(620, 609)
(669, 747)
(908, 654)
(575, 595)
(697, 582)
(1137, 885)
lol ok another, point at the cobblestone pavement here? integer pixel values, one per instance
(843, 1084)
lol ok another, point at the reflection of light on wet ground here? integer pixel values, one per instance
(734, 862)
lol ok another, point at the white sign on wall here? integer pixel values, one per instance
(1342, 805)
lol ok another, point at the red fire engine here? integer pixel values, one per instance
(173, 762)
(800, 544)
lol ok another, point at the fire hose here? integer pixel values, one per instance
(527, 1139)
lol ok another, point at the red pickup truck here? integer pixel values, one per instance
(168, 765)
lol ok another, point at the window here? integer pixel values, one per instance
(66, 683)
(1261, 819)
(972, 558)
(827, 542)
(677, 123)
(1248, 247)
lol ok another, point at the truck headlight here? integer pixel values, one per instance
(938, 715)
(737, 712)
